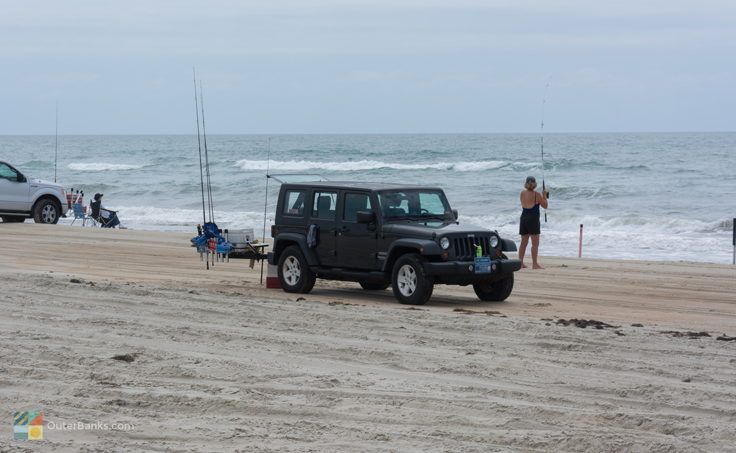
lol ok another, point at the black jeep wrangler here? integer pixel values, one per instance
(384, 234)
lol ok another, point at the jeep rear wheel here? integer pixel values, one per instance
(375, 286)
(46, 211)
(13, 219)
(294, 273)
(409, 282)
(494, 291)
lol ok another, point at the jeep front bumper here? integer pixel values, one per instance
(467, 268)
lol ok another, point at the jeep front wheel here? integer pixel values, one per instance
(409, 282)
(294, 273)
(46, 211)
(494, 291)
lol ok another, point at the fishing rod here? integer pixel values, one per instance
(206, 155)
(541, 142)
(199, 145)
(56, 141)
(265, 204)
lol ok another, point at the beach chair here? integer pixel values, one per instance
(95, 217)
(80, 214)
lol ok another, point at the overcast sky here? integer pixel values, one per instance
(374, 66)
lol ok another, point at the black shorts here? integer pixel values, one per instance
(529, 224)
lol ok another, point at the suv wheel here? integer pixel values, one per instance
(13, 219)
(46, 211)
(294, 273)
(495, 291)
(375, 286)
(409, 282)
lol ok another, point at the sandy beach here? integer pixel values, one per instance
(126, 327)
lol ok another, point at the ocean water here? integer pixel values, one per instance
(642, 196)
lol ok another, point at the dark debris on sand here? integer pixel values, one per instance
(691, 335)
(583, 323)
(473, 312)
(125, 357)
(725, 337)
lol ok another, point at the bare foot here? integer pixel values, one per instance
(537, 266)
(523, 266)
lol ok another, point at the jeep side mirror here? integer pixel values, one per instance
(455, 213)
(365, 216)
(21, 178)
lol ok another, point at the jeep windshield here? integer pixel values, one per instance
(414, 204)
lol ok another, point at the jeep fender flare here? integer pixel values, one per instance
(507, 245)
(284, 240)
(402, 246)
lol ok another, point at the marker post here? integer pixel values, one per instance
(733, 241)
(580, 246)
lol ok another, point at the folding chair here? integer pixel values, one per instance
(79, 213)
(97, 220)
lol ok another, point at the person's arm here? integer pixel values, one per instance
(542, 198)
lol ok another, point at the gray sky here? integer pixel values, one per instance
(351, 66)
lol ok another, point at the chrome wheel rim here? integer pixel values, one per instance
(291, 270)
(407, 280)
(48, 214)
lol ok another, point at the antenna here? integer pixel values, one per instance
(265, 203)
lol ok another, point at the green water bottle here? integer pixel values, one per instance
(478, 251)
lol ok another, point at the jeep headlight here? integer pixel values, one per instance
(445, 243)
(494, 241)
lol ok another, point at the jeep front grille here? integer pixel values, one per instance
(465, 247)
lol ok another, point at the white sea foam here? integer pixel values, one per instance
(363, 165)
(101, 166)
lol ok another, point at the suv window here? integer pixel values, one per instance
(355, 202)
(8, 173)
(294, 203)
(323, 205)
(402, 203)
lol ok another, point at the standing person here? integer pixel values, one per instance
(529, 225)
(108, 218)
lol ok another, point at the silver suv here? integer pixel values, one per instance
(22, 197)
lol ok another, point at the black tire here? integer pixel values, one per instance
(409, 282)
(375, 286)
(46, 211)
(295, 276)
(13, 219)
(494, 291)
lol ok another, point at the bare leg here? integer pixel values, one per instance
(522, 248)
(535, 251)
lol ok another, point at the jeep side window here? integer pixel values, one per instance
(294, 203)
(8, 173)
(355, 202)
(323, 205)
(394, 204)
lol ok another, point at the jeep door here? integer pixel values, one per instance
(323, 214)
(356, 242)
(13, 194)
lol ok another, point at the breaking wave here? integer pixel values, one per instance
(363, 165)
(101, 166)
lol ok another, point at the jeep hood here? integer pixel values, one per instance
(419, 229)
